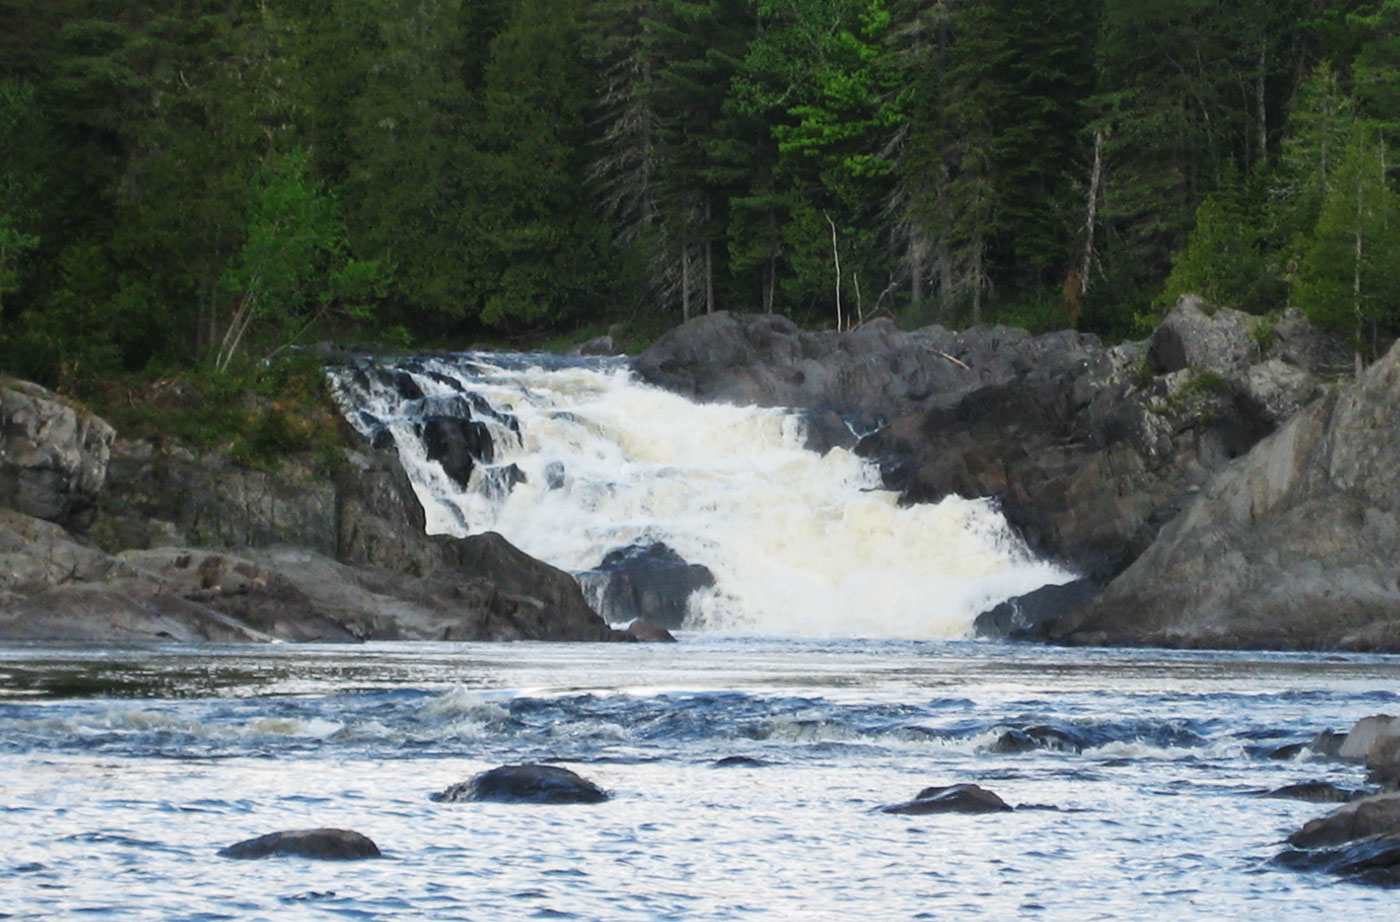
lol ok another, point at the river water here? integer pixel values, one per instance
(124, 771)
(831, 656)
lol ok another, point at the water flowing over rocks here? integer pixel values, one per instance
(1089, 450)
(534, 784)
(326, 844)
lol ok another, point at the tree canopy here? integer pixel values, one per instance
(204, 182)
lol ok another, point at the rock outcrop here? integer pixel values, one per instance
(53, 456)
(1292, 547)
(193, 547)
(955, 798)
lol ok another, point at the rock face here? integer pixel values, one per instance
(53, 458)
(326, 844)
(1293, 546)
(327, 558)
(534, 784)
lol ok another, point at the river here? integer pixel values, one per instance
(125, 771)
(829, 662)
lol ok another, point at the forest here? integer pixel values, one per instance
(199, 185)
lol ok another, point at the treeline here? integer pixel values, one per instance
(201, 182)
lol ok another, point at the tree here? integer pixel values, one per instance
(1350, 273)
(293, 267)
(19, 183)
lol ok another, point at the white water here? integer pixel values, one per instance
(800, 544)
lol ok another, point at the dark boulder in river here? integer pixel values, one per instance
(1360, 841)
(532, 784)
(650, 581)
(326, 843)
(956, 798)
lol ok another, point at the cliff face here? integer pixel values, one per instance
(193, 547)
(1294, 546)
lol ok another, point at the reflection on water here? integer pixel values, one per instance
(124, 770)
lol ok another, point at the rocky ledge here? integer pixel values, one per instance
(191, 547)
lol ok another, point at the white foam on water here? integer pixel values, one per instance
(800, 544)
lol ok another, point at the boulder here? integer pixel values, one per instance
(1364, 735)
(535, 784)
(1370, 816)
(53, 456)
(1022, 617)
(643, 631)
(957, 798)
(1318, 792)
(649, 581)
(326, 844)
(1292, 546)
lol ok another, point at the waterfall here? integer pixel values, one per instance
(574, 459)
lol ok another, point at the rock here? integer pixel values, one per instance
(1290, 547)
(1021, 617)
(536, 784)
(738, 762)
(327, 844)
(1363, 736)
(1370, 816)
(458, 443)
(652, 582)
(1057, 739)
(1318, 792)
(1374, 861)
(1327, 744)
(598, 345)
(1360, 840)
(644, 631)
(957, 798)
(1196, 336)
(53, 457)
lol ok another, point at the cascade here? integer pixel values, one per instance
(574, 460)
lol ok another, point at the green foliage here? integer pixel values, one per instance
(1226, 259)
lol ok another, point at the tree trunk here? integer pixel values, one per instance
(685, 284)
(1092, 213)
(836, 259)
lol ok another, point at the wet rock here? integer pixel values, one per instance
(1318, 792)
(650, 581)
(1374, 861)
(1043, 736)
(53, 457)
(1023, 617)
(535, 784)
(1360, 841)
(458, 444)
(326, 844)
(957, 798)
(598, 345)
(738, 762)
(643, 631)
(1370, 816)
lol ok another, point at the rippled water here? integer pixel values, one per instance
(125, 771)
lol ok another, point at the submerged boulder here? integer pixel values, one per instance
(326, 843)
(956, 798)
(531, 783)
(1318, 792)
